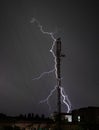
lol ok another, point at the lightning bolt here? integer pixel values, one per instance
(42, 74)
(65, 98)
(47, 99)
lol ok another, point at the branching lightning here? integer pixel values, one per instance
(65, 99)
(47, 99)
(42, 74)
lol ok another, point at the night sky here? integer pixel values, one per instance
(24, 54)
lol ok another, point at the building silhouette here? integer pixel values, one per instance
(80, 119)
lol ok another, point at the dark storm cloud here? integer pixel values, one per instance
(24, 53)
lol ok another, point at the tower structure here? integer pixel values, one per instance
(58, 60)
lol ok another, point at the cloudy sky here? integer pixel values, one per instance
(24, 54)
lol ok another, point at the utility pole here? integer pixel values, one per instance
(58, 60)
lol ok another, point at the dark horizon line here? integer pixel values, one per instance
(40, 115)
